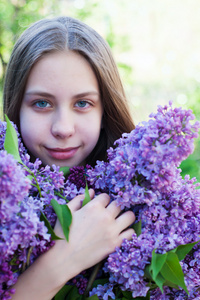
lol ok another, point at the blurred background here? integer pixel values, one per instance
(156, 45)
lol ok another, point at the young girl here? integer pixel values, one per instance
(63, 91)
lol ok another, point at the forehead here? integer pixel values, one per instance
(67, 57)
(62, 69)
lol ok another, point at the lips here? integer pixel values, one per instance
(62, 154)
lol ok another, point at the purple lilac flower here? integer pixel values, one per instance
(20, 227)
(80, 281)
(142, 174)
(163, 231)
(3, 127)
(126, 265)
(145, 161)
(78, 176)
(14, 186)
(21, 203)
(104, 292)
(19, 221)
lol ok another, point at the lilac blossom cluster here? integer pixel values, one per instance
(23, 236)
(144, 162)
(78, 176)
(142, 174)
(20, 226)
(80, 281)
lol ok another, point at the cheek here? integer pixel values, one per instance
(92, 133)
(92, 126)
(29, 131)
(27, 134)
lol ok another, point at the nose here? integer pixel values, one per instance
(63, 124)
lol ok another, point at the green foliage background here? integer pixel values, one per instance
(126, 24)
(17, 15)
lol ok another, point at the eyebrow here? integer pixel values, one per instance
(37, 92)
(81, 95)
(45, 94)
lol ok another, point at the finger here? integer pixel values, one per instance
(114, 209)
(91, 193)
(103, 199)
(76, 203)
(126, 234)
(126, 219)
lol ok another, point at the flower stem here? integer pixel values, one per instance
(28, 255)
(92, 277)
(26, 264)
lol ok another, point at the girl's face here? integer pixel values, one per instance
(61, 112)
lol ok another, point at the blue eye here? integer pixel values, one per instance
(82, 103)
(42, 103)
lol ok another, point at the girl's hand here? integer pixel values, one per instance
(96, 229)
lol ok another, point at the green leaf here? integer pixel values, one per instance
(101, 281)
(87, 196)
(147, 272)
(69, 292)
(74, 294)
(94, 297)
(140, 298)
(137, 227)
(63, 292)
(165, 269)
(11, 141)
(160, 280)
(172, 271)
(157, 263)
(48, 225)
(64, 215)
(65, 170)
(171, 284)
(182, 250)
(127, 295)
